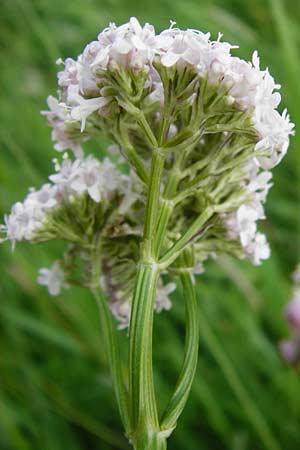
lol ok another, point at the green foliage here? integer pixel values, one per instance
(55, 388)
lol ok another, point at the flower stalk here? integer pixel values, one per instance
(144, 413)
(110, 339)
(186, 377)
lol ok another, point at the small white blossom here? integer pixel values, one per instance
(258, 249)
(65, 172)
(121, 311)
(95, 178)
(246, 223)
(162, 296)
(45, 197)
(121, 307)
(69, 75)
(53, 278)
(274, 130)
(82, 107)
(58, 117)
(27, 218)
(58, 111)
(21, 223)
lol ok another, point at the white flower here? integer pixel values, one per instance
(58, 111)
(144, 41)
(64, 141)
(65, 172)
(53, 278)
(121, 311)
(87, 179)
(121, 307)
(274, 130)
(230, 221)
(85, 107)
(69, 75)
(44, 198)
(24, 220)
(95, 178)
(28, 217)
(258, 249)
(246, 223)
(243, 222)
(98, 179)
(127, 45)
(87, 80)
(58, 117)
(162, 300)
(260, 184)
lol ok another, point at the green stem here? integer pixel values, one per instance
(109, 333)
(141, 386)
(181, 243)
(112, 348)
(186, 377)
(135, 160)
(153, 200)
(130, 153)
(145, 424)
(148, 133)
(167, 205)
(157, 442)
(162, 224)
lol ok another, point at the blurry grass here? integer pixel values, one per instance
(55, 389)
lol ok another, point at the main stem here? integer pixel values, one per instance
(145, 431)
(144, 417)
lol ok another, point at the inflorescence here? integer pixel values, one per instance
(214, 118)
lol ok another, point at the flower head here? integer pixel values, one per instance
(132, 47)
(42, 215)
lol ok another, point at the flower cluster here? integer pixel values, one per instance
(120, 306)
(222, 114)
(29, 220)
(87, 88)
(176, 97)
(102, 184)
(242, 224)
(290, 348)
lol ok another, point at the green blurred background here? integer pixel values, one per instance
(55, 388)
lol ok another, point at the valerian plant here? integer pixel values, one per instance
(197, 132)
